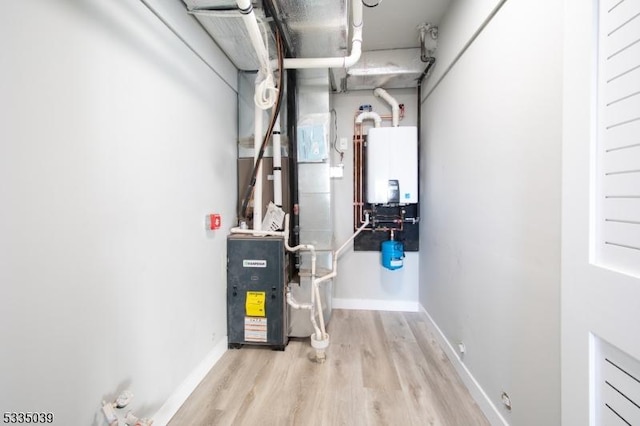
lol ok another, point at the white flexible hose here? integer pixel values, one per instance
(266, 92)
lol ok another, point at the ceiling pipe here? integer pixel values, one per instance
(251, 22)
(395, 108)
(337, 62)
(265, 93)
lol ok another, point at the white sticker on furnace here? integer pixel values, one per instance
(253, 263)
(255, 329)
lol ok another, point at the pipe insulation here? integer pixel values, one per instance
(395, 107)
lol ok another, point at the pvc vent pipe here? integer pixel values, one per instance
(395, 108)
(266, 92)
(369, 115)
(257, 189)
(277, 165)
(251, 22)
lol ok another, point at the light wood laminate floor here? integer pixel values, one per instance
(382, 368)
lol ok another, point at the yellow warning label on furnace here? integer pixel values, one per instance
(255, 303)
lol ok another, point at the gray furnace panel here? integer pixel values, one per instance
(256, 313)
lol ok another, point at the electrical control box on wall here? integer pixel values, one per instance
(392, 165)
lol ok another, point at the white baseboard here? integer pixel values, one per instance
(175, 401)
(376, 305)
(484, 402)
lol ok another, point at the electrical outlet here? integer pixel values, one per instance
(336, 171)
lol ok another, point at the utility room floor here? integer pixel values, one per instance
(382, 368)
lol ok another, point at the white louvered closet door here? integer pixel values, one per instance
(618, 386)
(600, 303)
(617, 206)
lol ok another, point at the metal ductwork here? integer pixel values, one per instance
(313, 29)
(223, 21)
(317, 28)
(391, 69)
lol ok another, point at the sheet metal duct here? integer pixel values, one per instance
(313, 29)
(315, 202)
(390, 69)
(316, 28)
(222, 20)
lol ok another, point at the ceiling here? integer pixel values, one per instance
(321, 28)
(393, 23)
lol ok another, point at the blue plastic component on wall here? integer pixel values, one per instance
(392, 254)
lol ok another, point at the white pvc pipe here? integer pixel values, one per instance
(395, 108)
(238, 230)
(296, 305)
(322, 336)
(337, 62)
(369, 115)
(336, 254)
(265, 92)
(257, 189)
(320, 330)
(251, 23)
(277, 165)
(323, 331)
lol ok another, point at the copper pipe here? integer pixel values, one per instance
(360, 189)
(358, 172)
(354, 172)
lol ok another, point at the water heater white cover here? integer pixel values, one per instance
(392, 155)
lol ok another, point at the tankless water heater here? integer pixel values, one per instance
(392, 165)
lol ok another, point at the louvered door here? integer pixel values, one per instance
(617, 202)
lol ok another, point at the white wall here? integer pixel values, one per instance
(362, 280)
(115, 141)
(490, 257)
(461, 21)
